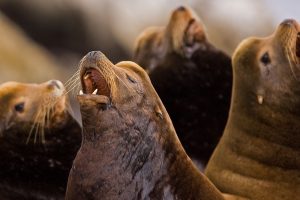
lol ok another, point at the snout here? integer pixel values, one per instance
(290, 23)
(55, 84)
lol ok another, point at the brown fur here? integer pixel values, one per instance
(183, 35)
(130, 149)
(258, 155)
(39, 140)
(36, 97)
(192, 77)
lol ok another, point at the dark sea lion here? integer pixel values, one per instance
(258, 156)
(191, 76)
(39, 140)
(130, 149)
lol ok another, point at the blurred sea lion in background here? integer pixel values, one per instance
(39, 140)
(130, 149)
(191, 76)
(258, 156)
(21, 59)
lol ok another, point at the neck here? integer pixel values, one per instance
(40, 162)
(274, 121)
(127, 151)
(258, 150)
(133, 160)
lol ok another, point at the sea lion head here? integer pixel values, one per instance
(32, 106)
(262, 137)
(185, 32)
(266, 70)
(111, 92)
(184, 35)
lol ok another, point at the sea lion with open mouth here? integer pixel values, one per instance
(130, 149)
(191, 76)
(39, 140)
(258, 156)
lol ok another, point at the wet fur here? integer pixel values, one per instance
(258, 155)
(130, 149)
(37, 146)
(192, 77)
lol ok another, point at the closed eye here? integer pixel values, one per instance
(130, 79)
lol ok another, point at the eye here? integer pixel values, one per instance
(265, 59)
(130, 79)
(19, 107)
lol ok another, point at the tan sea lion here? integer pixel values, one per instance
(130, 149)
(184, 34)
(39, 140)
(258, 156)
(191, 76)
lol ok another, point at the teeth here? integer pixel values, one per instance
(260, 99)
(80, 92)
(86, 76)
(95, 92)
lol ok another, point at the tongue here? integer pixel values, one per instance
(102, 86)
(94, 80)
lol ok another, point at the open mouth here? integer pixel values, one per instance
(189, 28)
(298, 45)
(93, 82)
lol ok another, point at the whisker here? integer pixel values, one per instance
(48, 116)
(74, 80)
(74, 86)
(41, 132)
(70, 86)
(41, 124)
(106, 72)
(30, 132)
(36, 133)
(35, 124)
(72, 77)
(77, 89)
(43, 140)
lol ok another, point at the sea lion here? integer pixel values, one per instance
(39, 140)
(192, 77)
(130, 149)
(258, 156)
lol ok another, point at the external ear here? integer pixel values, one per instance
(194, 38)
(158, 112)
(148, 47)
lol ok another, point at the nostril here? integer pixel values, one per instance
(181, 8)
(54, 83)
(288, 22)
(94, 54)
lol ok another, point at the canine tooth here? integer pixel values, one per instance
(86, 76)
(80, 92)
(260, 99)
(95, 92)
